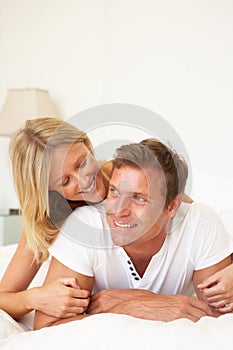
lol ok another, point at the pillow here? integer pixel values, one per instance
(8, 325)
(6, 253)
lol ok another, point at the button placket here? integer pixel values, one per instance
(133, 271)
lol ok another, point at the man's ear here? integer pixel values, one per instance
(174, 205)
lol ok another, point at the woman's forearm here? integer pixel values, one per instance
(17, 304)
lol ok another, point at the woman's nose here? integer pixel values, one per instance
(83, 179)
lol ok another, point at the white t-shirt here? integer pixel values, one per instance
(196, 239)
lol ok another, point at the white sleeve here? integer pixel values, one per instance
(81, 235)
(71, 254)
(211, 244)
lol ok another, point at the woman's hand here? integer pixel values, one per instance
(60, 298)
(218, 290)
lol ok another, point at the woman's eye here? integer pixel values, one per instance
(83, 163)
(66, 182)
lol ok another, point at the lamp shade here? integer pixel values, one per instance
(23, 104)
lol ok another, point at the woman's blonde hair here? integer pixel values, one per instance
(30, 150)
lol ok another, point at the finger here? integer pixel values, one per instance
(74, 284)
(76, 304)
(197, 312)
(192, 317)
(70, 282)
(215, 299)
(210, 281)
(198, 304)
(67, 315)
(200, 308)
(226, 309)
(218, 305)
(74, 311)
(212, 292)
(80, 293)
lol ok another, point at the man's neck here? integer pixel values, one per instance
(141, 254)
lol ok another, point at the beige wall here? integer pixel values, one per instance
(174, 57)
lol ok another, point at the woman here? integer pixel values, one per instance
(48, 154)
(54, 171)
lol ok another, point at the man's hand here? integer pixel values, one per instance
(107, 299)
(148, 305)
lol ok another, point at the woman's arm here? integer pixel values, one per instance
(57, 298)
(218, 289)
(201, 275)
(80, 302)
(14, 298)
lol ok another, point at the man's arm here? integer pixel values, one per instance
(148, 305)
(58, 270)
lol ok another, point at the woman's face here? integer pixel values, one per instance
(75, 174)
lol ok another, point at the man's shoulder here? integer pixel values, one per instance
(201, 210)
(195, 208)
(84, 219)
(87, 226)
(192, 214)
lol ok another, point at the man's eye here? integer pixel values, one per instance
(138, 199)
(113, 192)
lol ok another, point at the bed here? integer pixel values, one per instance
(109, 331)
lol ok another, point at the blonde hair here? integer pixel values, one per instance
(30, 150)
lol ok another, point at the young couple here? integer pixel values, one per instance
(54, 172)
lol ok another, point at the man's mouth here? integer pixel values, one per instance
(124, 225)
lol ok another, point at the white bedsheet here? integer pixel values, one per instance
(110, 332)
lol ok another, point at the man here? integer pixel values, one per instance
(156, 247)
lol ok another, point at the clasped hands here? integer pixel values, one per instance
(148, 305)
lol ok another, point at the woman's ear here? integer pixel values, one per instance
(174, 205)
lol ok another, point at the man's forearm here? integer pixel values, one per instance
(39, 321)
(148, 305)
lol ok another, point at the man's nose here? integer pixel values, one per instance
(122, 206)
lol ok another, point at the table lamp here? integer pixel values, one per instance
(23, 104)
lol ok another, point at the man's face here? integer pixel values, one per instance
(135, 205)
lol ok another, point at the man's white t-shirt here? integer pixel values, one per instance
(196, 239)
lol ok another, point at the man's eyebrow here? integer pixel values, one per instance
(132, 193)
(141, 194)
(111, 185)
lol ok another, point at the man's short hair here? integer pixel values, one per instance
(152, 153)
